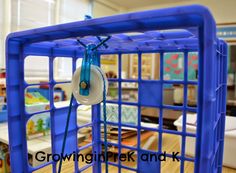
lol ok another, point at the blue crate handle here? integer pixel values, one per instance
(87, 17)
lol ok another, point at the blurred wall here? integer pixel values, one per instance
(103, 8)
(18, 15)
(223, 10)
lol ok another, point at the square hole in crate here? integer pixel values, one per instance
(62, 95)
(191, 123)
(129, 66)
(189, 166)
(129, 115)
(150, 117)
(173, 94)
(190, 145)
(38, 130)
(178, 94)
(192, 95)
(170, 166)
(170, 143)
(168, 94)
(129, 136)
(109, 64)
(112, 113)
(128, 158)
(84, 115)
(36, 69)
(173, 66)
(37, 98)
(150, 66)
(168, 118)
(149, 140)
(193, 66)
(112, 136)
(113, 91)
(62, 69)
(129, 91)
(84, 136)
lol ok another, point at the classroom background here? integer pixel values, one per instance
(18, 15)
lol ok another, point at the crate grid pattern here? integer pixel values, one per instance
(160, 130)
(58, 41)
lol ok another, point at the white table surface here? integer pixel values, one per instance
(34, 145)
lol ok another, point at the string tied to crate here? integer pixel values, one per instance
(89, 87)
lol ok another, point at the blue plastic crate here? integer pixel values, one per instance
(182, 29)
